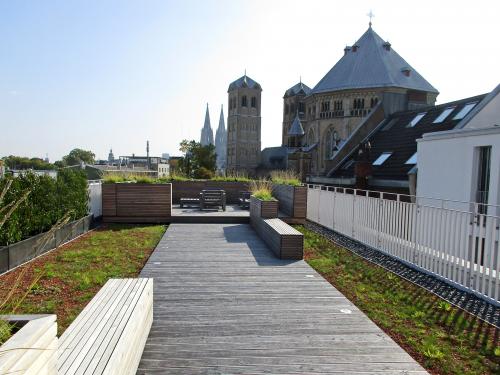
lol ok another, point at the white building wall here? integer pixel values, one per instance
(448, 165)
(488, 116)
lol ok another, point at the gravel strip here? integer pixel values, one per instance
(459, 298)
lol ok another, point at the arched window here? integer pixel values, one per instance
(292, 108)
(311, 139)
(254, 102)
(287, 108)
(244, 101)
(331, 142)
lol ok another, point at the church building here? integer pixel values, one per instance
(369, 83)
(243, 126)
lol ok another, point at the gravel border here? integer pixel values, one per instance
(459, 298)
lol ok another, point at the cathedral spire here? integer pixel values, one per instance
(221, 142)
(207, 135)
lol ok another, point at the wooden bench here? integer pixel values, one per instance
(213, 198)
(285, 241)
(109, 335)
(189, 202)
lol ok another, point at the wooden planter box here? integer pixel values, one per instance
(263, 209)
(136, 203)
(192, 189)
(292, 202)
(33, 349)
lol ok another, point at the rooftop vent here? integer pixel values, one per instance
(346, 49)
(354, 48)
(406, 71)
(387, 46)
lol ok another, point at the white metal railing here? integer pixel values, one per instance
(456, 241)
(95, 198)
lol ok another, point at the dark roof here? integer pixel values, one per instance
(298, 89)
(244, 82)
(296, 129)
(395, 136)
(371, 62)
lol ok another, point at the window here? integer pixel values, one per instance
(301, 107)
(337, 105)
(254, 102)
(373, 102)
(443, 115)
(359, 103)
(292, 108)
(412, 160)
(244, 101)
(382, 158)
(325, 106)
(464, 111)
(286, 109)
(483, 178)
(416, 119)
(331, 143)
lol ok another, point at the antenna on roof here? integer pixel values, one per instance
(300, 79)
(370, 15)
(245, 72)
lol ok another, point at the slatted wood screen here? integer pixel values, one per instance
(139, 203)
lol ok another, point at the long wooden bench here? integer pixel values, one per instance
(285, 241)
(109, 335)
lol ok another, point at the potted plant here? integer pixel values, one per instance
(262, 203)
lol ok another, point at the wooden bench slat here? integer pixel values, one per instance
(107, 344)
(83, 339)
(110, 333)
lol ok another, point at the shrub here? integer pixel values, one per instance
(262, 190)
(47, 201)
(203, 173)
(285, 177)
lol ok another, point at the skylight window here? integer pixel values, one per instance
(464, 111)
(382, 158)
(412, 160)
(416, 119)
(443, 115)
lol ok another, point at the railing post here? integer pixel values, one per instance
(353, 213)
(379, 219)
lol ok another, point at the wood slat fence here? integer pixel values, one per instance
(455, 241)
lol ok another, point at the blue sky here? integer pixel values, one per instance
(101, 74)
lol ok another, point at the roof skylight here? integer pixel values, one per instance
(412, 160)
(464, 111)
(348, 164)
(416, 119)
(443, 115)
(382, 158)
(390, 124)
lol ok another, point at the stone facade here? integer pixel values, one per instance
(337, 106)
(244, 126)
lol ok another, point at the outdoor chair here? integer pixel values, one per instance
(213, 198)
(244, 199)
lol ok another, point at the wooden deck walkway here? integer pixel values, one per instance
(223, 304)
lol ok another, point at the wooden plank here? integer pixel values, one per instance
(225, 304)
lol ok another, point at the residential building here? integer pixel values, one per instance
(244, 125)
(463, 164)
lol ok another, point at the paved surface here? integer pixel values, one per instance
(224, 304)
(231, 210)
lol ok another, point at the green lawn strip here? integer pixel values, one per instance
(69, 277)
(444, 339)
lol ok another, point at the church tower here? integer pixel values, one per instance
(221, 142)
(207, 135)
(243, 125)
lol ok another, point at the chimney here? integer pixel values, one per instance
(406, 71)
(346, 49)
(387, 46)
(354, 48)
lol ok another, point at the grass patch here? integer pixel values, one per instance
(444, 339)
(65, 280)
(285, 177)
(262, 189)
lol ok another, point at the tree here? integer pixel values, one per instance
(22, 162)
(198, 161)
(76, 157)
